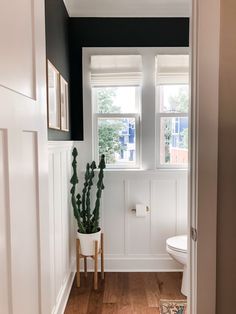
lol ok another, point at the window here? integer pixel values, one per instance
(136, 103)
(115, 82)
(172, 95)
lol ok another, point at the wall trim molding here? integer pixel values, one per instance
(65, 292)
(130, 8)
(52, 145)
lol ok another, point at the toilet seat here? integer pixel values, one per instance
(178, 243)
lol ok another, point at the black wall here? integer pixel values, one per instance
(57, 48)
(116, 32)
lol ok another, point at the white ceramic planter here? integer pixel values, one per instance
(87, 242)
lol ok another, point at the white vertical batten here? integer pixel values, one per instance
(148, 143)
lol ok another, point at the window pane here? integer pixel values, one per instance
(117, 140)
(174, 98)
(174, 141)
(116, 99)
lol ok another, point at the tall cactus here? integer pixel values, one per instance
(88, 221)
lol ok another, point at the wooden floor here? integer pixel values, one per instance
(128, 293)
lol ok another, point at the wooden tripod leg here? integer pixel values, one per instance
(78, 262)
(85, 267)
(96, 266)
(102, 256)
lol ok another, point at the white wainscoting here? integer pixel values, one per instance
(62, 230)
(138, 244)
(131, 243)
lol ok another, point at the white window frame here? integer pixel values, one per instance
(160, 115)
(148, 119)
(136, 116)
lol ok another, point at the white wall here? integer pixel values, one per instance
(138, 244)
(62, 231)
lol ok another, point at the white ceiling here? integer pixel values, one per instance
(128, 8)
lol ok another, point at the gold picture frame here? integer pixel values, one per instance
(53, 97)
(64, 104)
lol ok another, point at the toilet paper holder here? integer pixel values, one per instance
(134, 209)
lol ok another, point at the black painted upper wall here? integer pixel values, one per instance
(116, 32)
(57, 48)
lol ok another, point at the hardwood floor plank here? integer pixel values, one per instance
(79, 299)
(137, 293)
(96, 299)
(170, 285)
(124, 303)
(109, 308)
(152, 289)
(112, 289)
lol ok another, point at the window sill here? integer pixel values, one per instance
(145, 171)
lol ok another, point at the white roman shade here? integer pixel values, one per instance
(172, 69)
(116, 70)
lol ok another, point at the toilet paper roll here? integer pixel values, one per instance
(141, 210)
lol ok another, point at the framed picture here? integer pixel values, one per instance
(64, 104)
(53, 94)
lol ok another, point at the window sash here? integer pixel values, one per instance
(159, 115)
(137, 98)
(113, 116)
(158, 99)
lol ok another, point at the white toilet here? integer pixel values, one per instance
(177, 248)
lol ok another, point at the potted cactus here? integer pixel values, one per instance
(87, 219)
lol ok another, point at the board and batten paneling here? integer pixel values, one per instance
(138, 244)
(24, 241)
(62, 230)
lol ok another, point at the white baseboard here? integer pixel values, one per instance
(162, 263)
(64, 293)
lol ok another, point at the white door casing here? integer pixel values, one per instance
(204, 41)
(24, 258)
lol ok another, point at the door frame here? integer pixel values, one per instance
(205, 44)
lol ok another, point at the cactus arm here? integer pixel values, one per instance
(84, 191)
(78, 203)
(76, 213)
(73, 202)
(100, 187)
(88, 207)
(74, 181)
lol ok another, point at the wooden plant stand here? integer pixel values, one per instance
(97, 251)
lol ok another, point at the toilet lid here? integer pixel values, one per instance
(178, 243)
